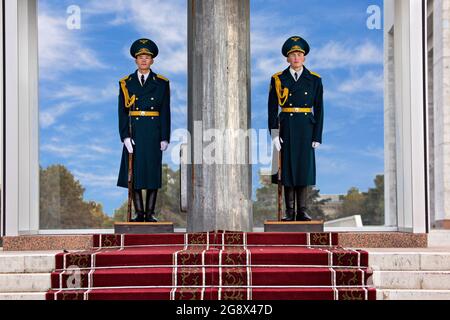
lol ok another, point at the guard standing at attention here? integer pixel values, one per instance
(144, 126)
(299, 93)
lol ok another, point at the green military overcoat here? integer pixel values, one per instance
(297, 130)
(147, 132)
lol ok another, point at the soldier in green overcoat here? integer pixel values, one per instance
(295, 113)
(144, 103)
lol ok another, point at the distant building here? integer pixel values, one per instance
(332, 207)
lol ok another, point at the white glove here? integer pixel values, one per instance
(164, 145)
(315, 144)
(128, 144)
(277, 141)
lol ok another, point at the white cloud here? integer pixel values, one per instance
(61, 150)
(266, 43)
(168, 28)
(95, 180)
(89, 150)
(74, 96)
(373, 152)
(264, 68)
(370, 81)
(100, 150)
(327, 148)
(62, 50)
(48, 117)
(86, 117)
(332, 165)
(165, 22)
(337, 127)
(87, 94)
(360, 93)
(334, 55)
(359, 104)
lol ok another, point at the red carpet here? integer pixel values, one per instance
(214, 265)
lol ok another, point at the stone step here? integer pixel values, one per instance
(439, 238)
(378, 260)
(386, 294)
(429, 280)
(381, 295)
(23, 296)
(410, 261)
(26, 262)
(25, 282)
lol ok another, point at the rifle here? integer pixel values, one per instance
(283, 95)
(280, 188)
(128, 103)
(130, 173)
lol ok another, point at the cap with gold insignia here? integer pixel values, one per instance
(144, 46)
(295, 44)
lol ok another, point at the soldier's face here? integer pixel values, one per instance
(296, 59)
(144, 61)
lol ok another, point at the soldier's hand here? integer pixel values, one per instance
(315, 144)
(164, 145)
(128, 144)
(277, 141)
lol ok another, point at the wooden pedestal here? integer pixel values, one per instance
(143, 227)
(293, 226)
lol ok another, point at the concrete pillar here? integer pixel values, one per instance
(219, 113)
(441, 97)
(430, 109)
(390, 129)
(405, 115)
(21, 166)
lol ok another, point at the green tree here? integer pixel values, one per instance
(62, 205)
(266, 206)
(370, 204)
(374, 213)
(353, 203)
(99, 217)
(120, 214)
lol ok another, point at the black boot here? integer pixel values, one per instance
(150, 205)
(289, 199)
(138, 206)
(302, 210)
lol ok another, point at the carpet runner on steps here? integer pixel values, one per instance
(213, 265)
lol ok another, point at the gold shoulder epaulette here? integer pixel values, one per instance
(315, 74)
(282, 93)
(162, 77)
(128, 100)
(124, 78)
(277, 74)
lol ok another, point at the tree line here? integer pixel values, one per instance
(62, 203)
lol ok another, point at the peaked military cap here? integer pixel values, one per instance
(295, 44)
(144, 46)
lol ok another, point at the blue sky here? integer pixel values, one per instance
(80, 69)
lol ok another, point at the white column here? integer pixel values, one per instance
(431, 113)
(390, 135)
(22, 155)
(2, 199)
(441, 88)
(405, 113)
(409, 79)
(11, 187)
